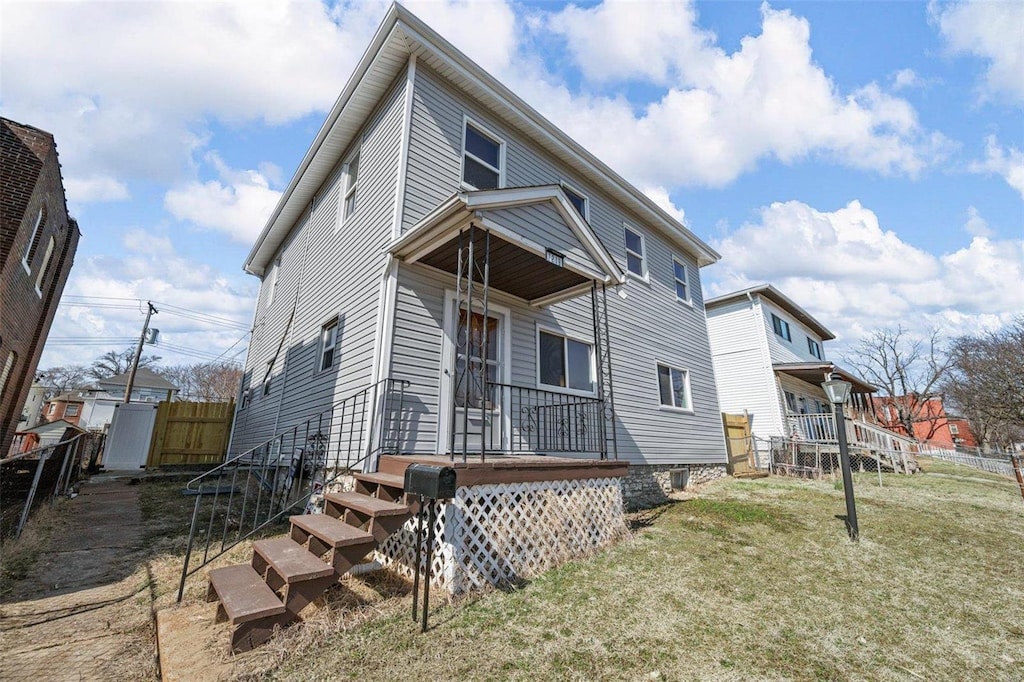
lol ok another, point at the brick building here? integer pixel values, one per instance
(37, 247)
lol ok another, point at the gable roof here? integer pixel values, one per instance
(144, 378)
(778, 298)
(400, 36)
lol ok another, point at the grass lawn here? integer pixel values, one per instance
(749, 580)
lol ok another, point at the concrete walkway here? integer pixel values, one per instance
(85, 611)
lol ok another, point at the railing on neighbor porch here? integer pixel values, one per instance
(822, 428)
(285, 474)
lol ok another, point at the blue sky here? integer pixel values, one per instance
(865, 157)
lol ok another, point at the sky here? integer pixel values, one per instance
(867, 158)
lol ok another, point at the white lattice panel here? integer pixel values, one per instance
(500, 533)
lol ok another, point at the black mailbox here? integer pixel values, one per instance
(431, 481)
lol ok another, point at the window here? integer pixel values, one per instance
(71, 411)
(674, 386)
(790, 402)
(564, 362)
(328, 342)
(53, 408)
(781, 327)
(45, 269)
(33, 242)
(483, 158)
(266, 377)
(682, 284)
(351, 183)
(12, 357)
(272, 287)
(814, 348)
(636, 262)
(578, 201)
(954, 429)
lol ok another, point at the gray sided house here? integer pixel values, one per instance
(443, 242)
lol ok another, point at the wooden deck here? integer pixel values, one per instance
(510, 468)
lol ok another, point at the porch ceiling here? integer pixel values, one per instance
(816, 372)
(513, 270)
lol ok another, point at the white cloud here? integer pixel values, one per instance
(905, 78)
(238, 203)
(992, 31)
(1009, 163)
(976, 226)
(95, 188)
(660, 196)
(722, 113)
(854, 275)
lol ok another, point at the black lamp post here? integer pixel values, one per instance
(838, 393)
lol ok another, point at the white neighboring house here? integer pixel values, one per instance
(769, 359)
(101, 399)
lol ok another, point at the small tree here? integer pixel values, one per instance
(64, 379)
(204, 381)
(986, 382)
(908, 370)
(115, 362)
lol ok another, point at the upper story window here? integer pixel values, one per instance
(71, 411)
(328, 344)
(564, 362)
(45, 269)
(781, 327)
(682, 281)
(578, 201)
(483, 158)
(266, 377)
(674, 387)
(954, 429)
(33, 242)
(636, 260)
(272, 286)
(814, 348)
(12, 357)
(348, 197)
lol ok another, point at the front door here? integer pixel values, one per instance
(469, 411)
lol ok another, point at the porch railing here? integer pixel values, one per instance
(532, 420)
(822, 428)
(285, 474)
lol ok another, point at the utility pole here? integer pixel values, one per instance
(138, 354)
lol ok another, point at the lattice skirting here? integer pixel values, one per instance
(501, 533)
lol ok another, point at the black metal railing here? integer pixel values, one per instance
(286, 474)
(524, 419)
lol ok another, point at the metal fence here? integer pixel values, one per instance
(996, 464)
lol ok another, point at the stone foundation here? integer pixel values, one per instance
(651, 484)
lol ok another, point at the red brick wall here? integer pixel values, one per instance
(29, 180)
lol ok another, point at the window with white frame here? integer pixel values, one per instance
(348, 199)
(33, 242)
(674, 387)
(781, 327)
(954, 429)
(636, 260)
(45, 268)
(266, 377)
(679, 271)
(12, 357)
(71, 411)
(328, 344)
(814, 348)
(483, 157)
(564, 362)
(272, 286)
(578, 201)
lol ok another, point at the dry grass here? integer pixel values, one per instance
(753, 580)
(18, 556)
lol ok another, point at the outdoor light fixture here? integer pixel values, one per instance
(838, 392)
(621, 291)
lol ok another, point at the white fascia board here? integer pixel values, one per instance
(574, 292)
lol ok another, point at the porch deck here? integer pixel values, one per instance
(509, 468)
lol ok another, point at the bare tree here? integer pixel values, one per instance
(909, 371)
(64, 379)
(986, 382)
(213, 382)
(115, 362)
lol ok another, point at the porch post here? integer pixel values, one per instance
(603, 361)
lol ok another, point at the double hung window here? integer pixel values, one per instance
(781, 327)
(578, 201)
(351, 187)
(328, 344)
(636, 260)
(682, 283)
(814, 348)
(564, 363)
(483, 157)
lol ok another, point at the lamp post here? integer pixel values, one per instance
(838, 393)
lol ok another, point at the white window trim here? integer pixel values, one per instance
(564, 389)
(646, 278)
(577, 192)
(322, 347)
(686, 382)
(31, 240)
(265, 389)
(274, 273)
(345, 190)
(686, 280)
(487, 132)
(50, 247)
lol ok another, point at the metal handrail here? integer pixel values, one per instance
(72, 448)
(282, 475)
(540, 420)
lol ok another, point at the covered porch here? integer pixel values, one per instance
(512, 377)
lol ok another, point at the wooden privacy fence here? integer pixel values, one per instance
(190, 434)
(739, 444)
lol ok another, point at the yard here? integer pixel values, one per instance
(745, 580)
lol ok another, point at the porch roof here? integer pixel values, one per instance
(816, 372)
(520, 264)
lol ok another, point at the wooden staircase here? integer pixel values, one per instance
(288, 572)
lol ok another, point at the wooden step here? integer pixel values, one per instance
(331, 531)
(364, 504)
(388, 487)
(290, 560)
(390, 480)
(242, 594)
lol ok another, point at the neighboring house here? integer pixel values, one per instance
(66, 407)
(148, 387)
(96, 403)
(37, 247)
(931, 422)
(32, 412)
(49, 433)
(770, 363)
(423, 155)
